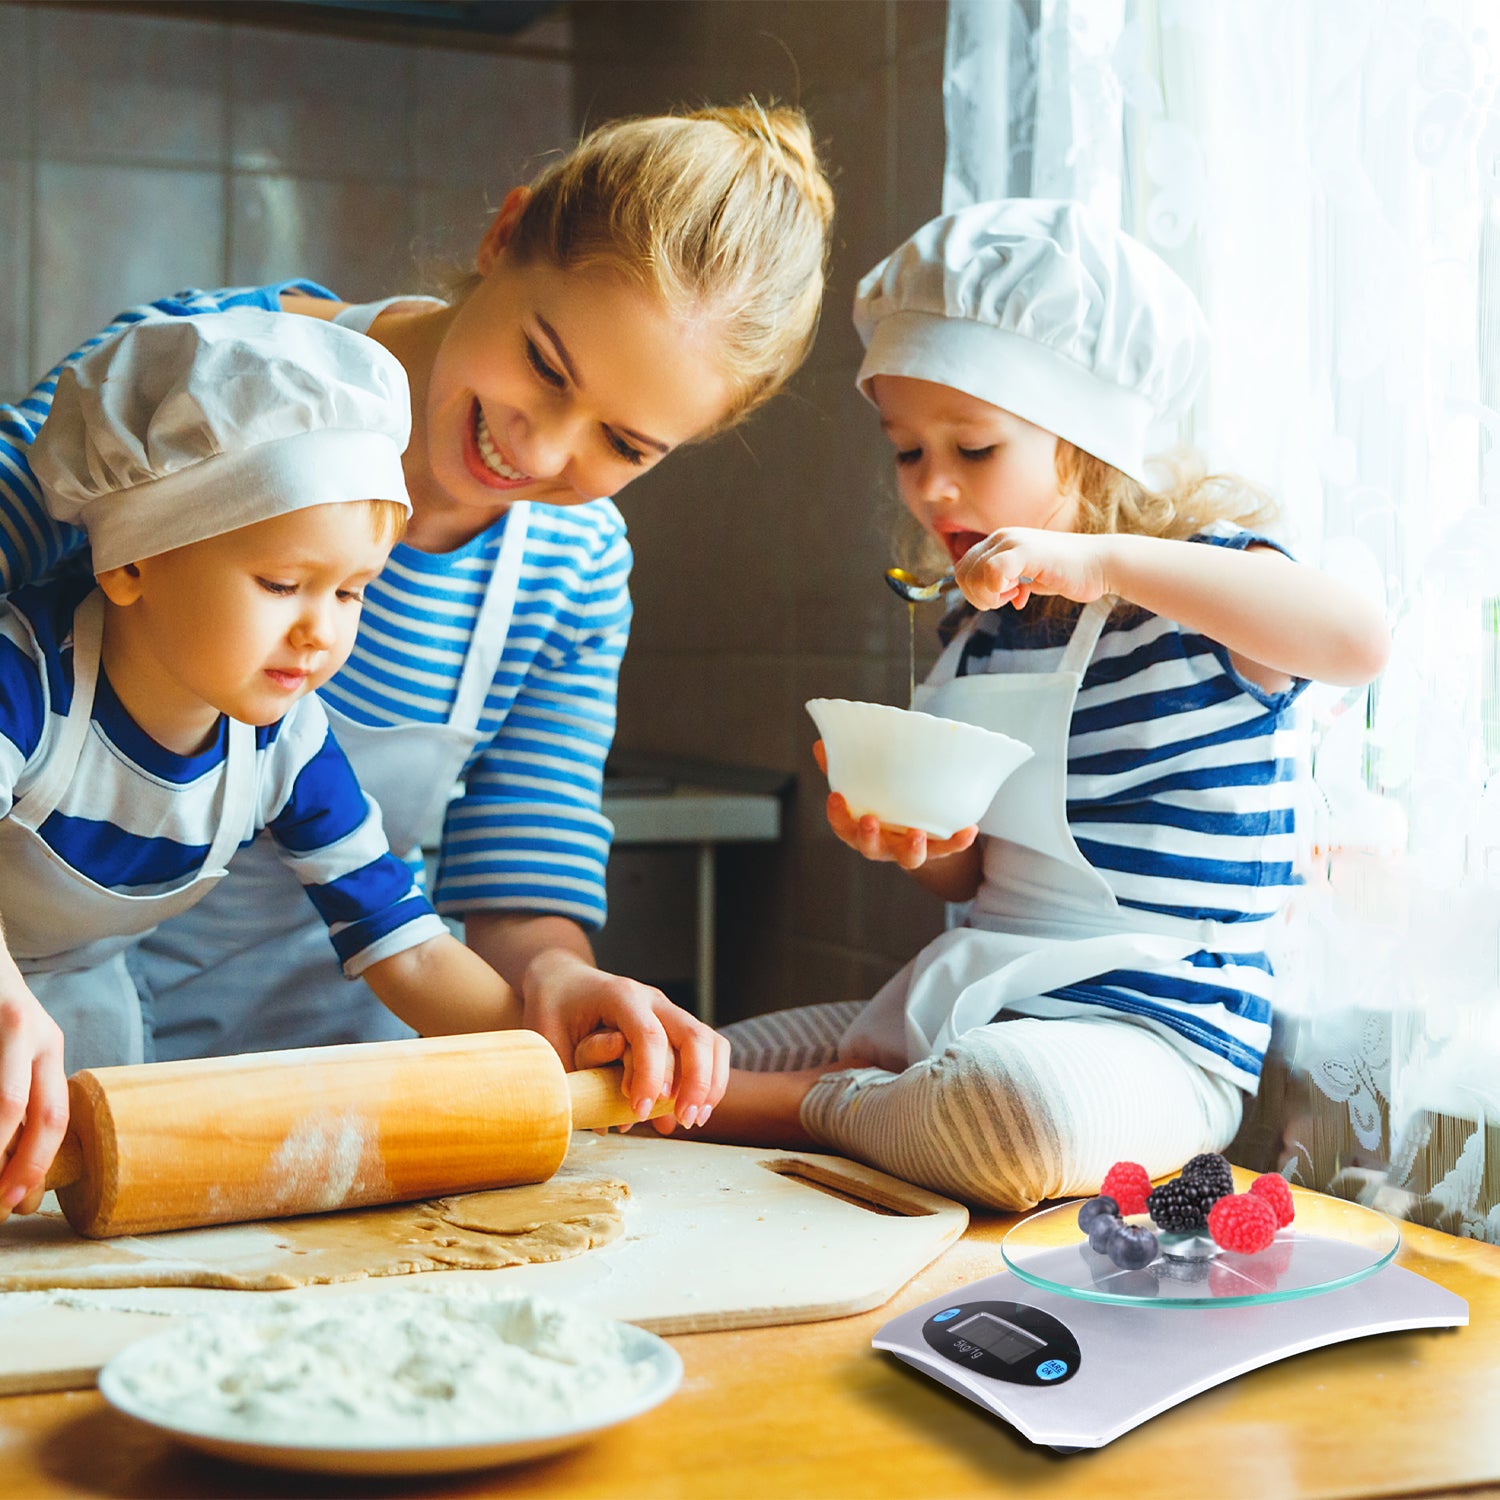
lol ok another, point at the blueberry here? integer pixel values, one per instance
(1102, 1229)
(1093, 1208)
(1131, 1247)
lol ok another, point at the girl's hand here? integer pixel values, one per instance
(1012, 564)
(33, 1097)
(910, 848)
(593, 1018)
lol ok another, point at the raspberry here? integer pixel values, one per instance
(1128, 1184)
(1272, 1187)
(1242, 1222)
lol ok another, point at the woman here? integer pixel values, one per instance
(647, 290)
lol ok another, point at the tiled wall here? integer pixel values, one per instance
(140, 154)
(759, 556)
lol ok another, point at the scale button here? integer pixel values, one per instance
(951, 1312)
(1052, 1369)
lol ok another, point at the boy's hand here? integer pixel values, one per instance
(33, 1097)
(666, 1051)
(1012, 564)
(910, 848)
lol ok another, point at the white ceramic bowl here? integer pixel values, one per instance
(913, 770)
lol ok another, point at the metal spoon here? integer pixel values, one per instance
(910, 588)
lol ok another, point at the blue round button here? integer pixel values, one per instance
(1052, 1369)
(951, 1312)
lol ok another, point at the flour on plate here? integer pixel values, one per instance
(387, 1369)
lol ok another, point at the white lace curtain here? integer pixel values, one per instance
(1326, 175)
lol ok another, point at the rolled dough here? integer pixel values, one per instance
(515, 1226)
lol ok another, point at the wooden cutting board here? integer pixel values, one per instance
(715, 1237)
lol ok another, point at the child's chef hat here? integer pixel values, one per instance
(1034, 306)
(184, 428)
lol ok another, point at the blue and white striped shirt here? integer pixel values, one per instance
(527, 833)
(140, 820)
(1180, 794)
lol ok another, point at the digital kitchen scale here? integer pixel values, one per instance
(1072, 1351)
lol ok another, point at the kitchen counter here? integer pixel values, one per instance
(811, 1411)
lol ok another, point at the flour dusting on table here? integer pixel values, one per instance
(388, 1369)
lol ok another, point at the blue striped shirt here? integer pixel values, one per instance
(1180, 793)
(527, 832)
(140, 820)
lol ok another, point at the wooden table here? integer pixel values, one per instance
(811, 1411)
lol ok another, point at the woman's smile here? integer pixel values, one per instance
(486, 461)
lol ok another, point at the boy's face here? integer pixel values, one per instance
(966, 468)
(245, 623)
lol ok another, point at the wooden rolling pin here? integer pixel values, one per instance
(221, 1140)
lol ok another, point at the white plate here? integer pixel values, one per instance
(663, 1370)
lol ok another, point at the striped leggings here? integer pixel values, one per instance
(1011, 1113)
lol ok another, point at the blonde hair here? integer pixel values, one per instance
(387, 519)
(723, 213)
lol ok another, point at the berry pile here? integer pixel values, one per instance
(1201, 1197)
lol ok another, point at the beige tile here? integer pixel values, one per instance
(16, 366)
(320, 106)
(355, 238)
(17, 43)
(164, 229)
(129, 87)
(488, 119)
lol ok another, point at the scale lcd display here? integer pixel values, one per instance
(1003, 1340)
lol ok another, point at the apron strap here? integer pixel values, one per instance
(360, 316)
(42, 797)
(1086, 636)
(492, 624)
(238, 802)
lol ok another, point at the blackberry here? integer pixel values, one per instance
(1181, 1205)
(1211, 1170)
(1094, 1208)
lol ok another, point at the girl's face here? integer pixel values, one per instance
(966, 468)
(560, 386)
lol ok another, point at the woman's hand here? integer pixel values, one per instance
(33, 1095)
(910, 848)
(592, 1018)
(1012, 564)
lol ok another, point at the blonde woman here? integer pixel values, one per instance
(646, 291)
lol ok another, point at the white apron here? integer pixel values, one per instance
(67, 933)
(252, 968)
(1043, 917)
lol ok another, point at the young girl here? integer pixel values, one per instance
(1108, 995)
(647, 290)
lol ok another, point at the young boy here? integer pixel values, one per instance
(240, 480)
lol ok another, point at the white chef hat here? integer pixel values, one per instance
(181, 429)
(1033, 306)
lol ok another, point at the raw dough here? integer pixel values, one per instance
(515, 1226)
